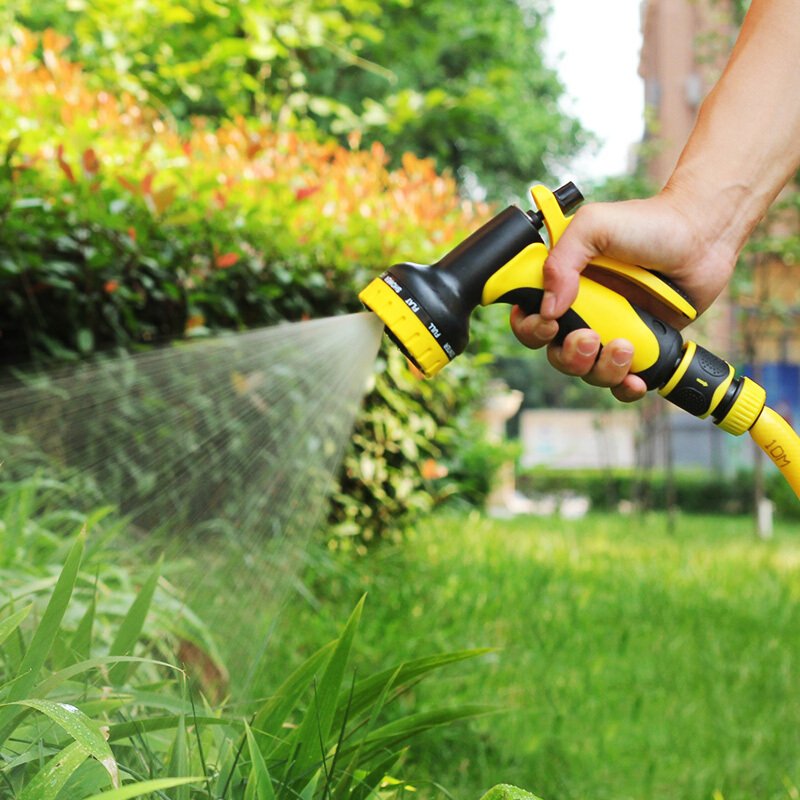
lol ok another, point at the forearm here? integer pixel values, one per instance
(746, 143)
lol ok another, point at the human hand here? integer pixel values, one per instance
(659, 233)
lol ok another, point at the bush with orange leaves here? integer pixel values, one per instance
(118, 227)
(235, 225)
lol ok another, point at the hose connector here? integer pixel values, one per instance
(747, 405)
(700, 381)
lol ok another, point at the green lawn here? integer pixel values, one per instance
(630, 663)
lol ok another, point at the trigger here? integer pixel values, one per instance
(654, 283)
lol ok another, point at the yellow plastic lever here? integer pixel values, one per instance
(556, 224)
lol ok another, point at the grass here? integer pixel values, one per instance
(88, 713)
(630, 663)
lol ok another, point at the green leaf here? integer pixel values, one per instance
(57, 678)
(179, 759)
(312, 735)
(259, 785)
(145, 787)
(131, 628)
(81, 644)
(85, 340)
(505, 791)
(370, 782)
(81, 728)
(270, 718)
(343, 787)
(368, 689)
(398, 731)
(45, 635)
(49, 780)
(12, 622)
(125, 730)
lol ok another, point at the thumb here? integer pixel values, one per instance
(578, 245)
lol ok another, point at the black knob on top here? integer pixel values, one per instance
(569, 197)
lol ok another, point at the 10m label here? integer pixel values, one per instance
(777, 454)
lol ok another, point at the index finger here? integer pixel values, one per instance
(532, 330)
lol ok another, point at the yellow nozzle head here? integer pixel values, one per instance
(405, 327)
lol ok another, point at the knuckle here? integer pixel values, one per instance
(589, 225)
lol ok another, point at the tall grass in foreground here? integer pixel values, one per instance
(88, 710)
(630, 663)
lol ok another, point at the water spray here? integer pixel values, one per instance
(426, 311)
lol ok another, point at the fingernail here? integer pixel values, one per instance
(621, 358)
(587, 347)
(548, 305)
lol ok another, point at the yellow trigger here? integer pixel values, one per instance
(556, 224)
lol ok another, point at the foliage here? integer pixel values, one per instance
(397, 435)
(239, 225)
(79, 713)
(209, 58)
(468, 86)
(119, 230)
(473, 468)
(692, 489)
(38, 516)
(465, 84)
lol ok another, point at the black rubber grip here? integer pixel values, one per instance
(704, 374)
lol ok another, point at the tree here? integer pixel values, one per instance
(468, 85)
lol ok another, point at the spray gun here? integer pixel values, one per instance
(426, 311)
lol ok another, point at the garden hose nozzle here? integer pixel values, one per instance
(426, 311)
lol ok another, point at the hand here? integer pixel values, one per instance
(662, 233)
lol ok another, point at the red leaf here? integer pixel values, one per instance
(65, 168)
(227, 260)
(195, 321)
(131, 187)
(90, 161)
(147, 183)
(306, 191)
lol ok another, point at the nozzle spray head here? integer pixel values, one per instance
(426, 308)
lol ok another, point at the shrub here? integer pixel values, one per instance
(693, 491)
(119, 230)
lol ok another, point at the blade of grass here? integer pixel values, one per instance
(130, 630)
(145, 787)
(12, 622)
(343, 788)
(272, 715)
(259, 785)
(57, 678)
(367, 689)
(49, 780)
(394, 733)
(81, 644)
(125, 730)
(313, 732)
(81, 728)
(372, 780)
(179, 758)
(45, 635)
